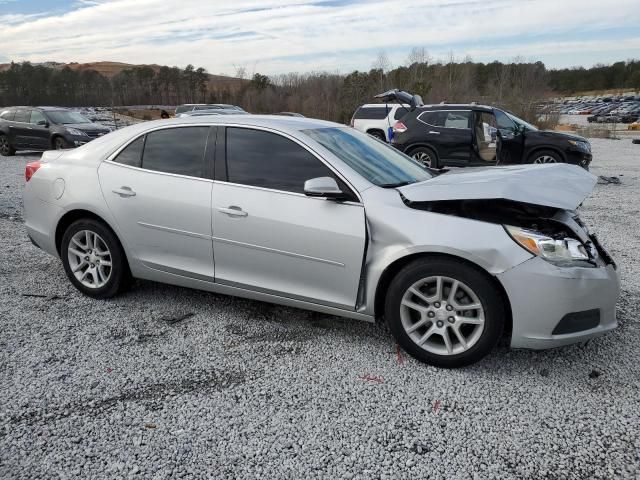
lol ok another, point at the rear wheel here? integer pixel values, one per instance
(6, 150)
(545, 156)
(444, 312)
(93, 259)
(425, 156)
(60, 143)
(377, 134)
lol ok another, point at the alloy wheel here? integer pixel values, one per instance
(89, 259)
(423, 157)
(60, 143)
(5, 148)
(442, 315)
(545, 159)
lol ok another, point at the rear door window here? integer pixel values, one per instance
(180, 151)
(22, 116)
(446, 118)
(132, 154)
(371, 113)
(37, 117)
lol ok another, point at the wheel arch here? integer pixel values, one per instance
(71, 216)
(393, 268)
(413, 146)
(540, 148)
(376, 130)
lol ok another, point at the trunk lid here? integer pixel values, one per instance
(553, 185)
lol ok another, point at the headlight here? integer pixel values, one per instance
(558, 251)
(584, 146)
(75, 131)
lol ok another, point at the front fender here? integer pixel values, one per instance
(397, 231)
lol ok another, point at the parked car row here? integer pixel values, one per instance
(465, 135)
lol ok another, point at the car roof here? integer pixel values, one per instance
(390, 104)
(456, 106)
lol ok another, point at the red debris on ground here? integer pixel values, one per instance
(371, 378)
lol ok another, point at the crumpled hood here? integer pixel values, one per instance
(552, 185)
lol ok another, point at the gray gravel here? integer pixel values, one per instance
(241, 389)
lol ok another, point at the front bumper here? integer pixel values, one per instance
(542, 294)
(579, 157)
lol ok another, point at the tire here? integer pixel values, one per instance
(59, 143)
(6, 150)
(102, 280)
(377, 134)
(426, 156)
(636, 141)
(480, 327)
(545, 156)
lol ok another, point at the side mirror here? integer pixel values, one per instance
(325, 187)
(43, 123)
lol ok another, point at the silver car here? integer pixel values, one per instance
(319, 216)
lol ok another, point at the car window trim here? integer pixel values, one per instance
(111, 158)
(295, 140)
(443, 110)
(284, 192)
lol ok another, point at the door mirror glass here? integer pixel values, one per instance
(325, 187)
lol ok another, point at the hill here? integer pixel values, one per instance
(111, 69)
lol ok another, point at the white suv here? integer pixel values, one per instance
(377, 119)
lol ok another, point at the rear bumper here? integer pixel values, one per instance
(41, 219)
(543, 295)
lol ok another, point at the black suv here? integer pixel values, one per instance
(44, 128)
(473, 135)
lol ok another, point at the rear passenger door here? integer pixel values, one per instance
(19, 128)
(449, 131)
(158, 188)
(268, 236)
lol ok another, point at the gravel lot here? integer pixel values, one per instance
(240, 389)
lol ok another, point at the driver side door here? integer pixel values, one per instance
(268, 236)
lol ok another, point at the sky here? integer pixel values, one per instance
(279, 36)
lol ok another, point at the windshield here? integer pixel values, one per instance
(64, 117)
(376, 161)
(521, 123)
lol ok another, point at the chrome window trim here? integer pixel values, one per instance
(111, 157)
(284, 192)
(443, 110)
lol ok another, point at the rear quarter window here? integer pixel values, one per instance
(7, 115)
(371, 113)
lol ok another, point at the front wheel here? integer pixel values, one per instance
(444, 312)
(545, 156)
(60, 143)
(6, 150)
(93, 259)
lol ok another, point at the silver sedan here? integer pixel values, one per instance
(316, 215)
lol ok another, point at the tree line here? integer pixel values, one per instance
(27, 84)
(518, 85)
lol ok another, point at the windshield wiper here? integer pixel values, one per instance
(397, 184)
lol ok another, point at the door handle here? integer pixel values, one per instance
(233, 211)
(124, 192)
(434, 133)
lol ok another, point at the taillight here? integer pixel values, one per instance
(31, 168)
(399, 127)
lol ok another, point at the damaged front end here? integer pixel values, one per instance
(554, 234)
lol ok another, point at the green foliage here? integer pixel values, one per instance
(620, 75)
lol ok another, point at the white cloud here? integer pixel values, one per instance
(274, 36)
